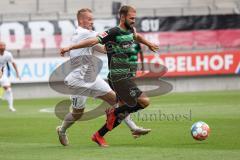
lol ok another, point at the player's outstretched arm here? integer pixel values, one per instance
(153, 47)
(16, 69)
(83, 44)
(100, 48)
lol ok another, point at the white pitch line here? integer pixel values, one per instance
(47, 110)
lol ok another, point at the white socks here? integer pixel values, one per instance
(129, 122)
(9, 97)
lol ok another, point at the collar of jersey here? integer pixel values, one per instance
(123, 29)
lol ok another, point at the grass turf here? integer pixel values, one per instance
(30, 135)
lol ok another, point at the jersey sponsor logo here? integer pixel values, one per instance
(103, 35)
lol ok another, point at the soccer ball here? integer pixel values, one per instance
(200, 131)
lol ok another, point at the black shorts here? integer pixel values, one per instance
(126, 90)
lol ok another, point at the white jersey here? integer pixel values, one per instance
(79, 35)
(76, 78)
(6, 57)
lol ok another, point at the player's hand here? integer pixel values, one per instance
(18, 77)
(153, 47)
(64, 50)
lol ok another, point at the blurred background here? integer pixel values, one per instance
(199, 39)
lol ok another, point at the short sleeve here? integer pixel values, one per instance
(82, 34)
(107, 36)
(9, 57)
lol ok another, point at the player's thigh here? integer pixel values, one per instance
(77, 113)
(102, 90)
(110, 98)
(143, 100)
(5, 82)
(78, 86)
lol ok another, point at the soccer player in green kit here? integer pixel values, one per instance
(120, 44)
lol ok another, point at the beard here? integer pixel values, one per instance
(128, 26)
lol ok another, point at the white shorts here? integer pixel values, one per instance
(92, 89)
(5, 81)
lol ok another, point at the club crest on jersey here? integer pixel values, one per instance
(104, 34)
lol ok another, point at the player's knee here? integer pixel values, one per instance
(144, 102)
(77, 113)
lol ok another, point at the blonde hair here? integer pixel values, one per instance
(83, 10)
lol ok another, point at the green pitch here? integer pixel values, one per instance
(30, 135)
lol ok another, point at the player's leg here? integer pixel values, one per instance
(8, 95)
(102, 91)
(143, 101)
(113, 120)
(110, 97)
(136, 131)
(134, 98)
(78, 105)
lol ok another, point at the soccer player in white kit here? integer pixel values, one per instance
(6, 57)
(99, 88)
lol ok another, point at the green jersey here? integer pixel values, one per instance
(121, 51)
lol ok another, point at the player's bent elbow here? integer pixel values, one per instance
(92, 42)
